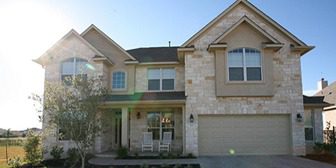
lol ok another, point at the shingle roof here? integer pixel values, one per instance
(148, 96)
(155, 54)
(314, 100)
(329, 93)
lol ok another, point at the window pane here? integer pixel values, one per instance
(118, 80)
(153, 119)
(154, 74)
(156, 133)
(68, 67)
(81, 67)
(167, 120)
(168, 73)
(309, 134)
(308, 118)
(235, 58)
(167, 84)
(236, 74)
(253, 74)
(154, 84)
(252, 58)
(67, 79)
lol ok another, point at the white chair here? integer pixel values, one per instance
(147, 144)
(166, 142)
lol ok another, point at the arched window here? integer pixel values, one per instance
(73, 67)
(244, 64)
(118, 80)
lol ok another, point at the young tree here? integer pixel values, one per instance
(74, 109)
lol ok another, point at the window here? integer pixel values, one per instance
(73, 67)
(161, 79)
(244, 64)
(308, 125)
(118, 80)
(160, 122)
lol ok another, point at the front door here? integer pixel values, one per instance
(117, 128)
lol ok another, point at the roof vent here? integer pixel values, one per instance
(169, 43)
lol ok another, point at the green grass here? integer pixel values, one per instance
(17, 151)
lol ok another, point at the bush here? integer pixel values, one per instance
(325, 148)
(122, 152)
(56, 152)
(15, 162)
(73, 157)
(33, 150)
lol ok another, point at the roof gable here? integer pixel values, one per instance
(92, 26)
(252, 24)
(329, 93)
(43, 58)
(253, 8)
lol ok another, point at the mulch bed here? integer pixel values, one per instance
(327, 158)
(154, 166)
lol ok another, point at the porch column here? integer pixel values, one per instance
(183, 130)
(124, 127)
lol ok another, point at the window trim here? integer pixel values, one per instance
(119, 89)
(312, 124)
(244, 67)
(161, 79)
(74, 64)
(160, 126)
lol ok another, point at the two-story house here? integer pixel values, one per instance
(233, 86)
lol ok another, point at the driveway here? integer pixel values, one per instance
(260, 162)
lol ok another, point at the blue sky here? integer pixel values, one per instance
(30, 27)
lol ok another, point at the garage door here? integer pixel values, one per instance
(244, 134)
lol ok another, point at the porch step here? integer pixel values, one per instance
(108, 154)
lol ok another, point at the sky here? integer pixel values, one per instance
(30, 27)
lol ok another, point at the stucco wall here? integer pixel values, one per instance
(200, 87)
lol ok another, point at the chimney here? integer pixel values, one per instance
(322, 84)
(169, 43)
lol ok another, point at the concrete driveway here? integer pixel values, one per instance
(260, 162)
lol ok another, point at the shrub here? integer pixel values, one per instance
(122, 152)
(15, 162)
(144, 165)
(56, 152)
(73, 157)
(190, 155)
(33, 150)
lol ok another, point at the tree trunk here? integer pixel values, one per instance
(83, 161)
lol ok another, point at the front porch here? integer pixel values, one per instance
(123, 126)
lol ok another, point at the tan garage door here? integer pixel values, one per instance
(244, 134)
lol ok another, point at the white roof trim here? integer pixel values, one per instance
(92, 26)
(71, 32)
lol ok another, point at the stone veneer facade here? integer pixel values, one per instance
(197, 78)
(200, 83)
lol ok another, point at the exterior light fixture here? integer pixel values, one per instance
(299, 117)
(191, 118)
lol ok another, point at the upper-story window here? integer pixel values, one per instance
(161, 79)
(73, 67)
(244, 64)
(118, 80)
